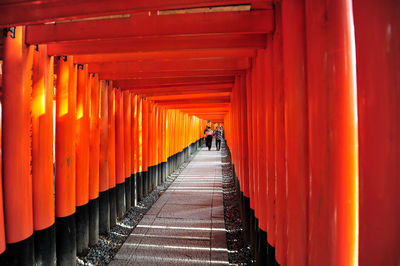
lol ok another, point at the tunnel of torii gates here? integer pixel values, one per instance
(118, 93)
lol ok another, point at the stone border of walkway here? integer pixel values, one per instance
(104, 251)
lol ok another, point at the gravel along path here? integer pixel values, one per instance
(239, 252)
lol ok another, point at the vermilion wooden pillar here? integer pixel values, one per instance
(2, 229)
(134, 147)
(127, 147)
(333, 135)
(377, 37)
(104, 204)
(111, 155)
(145, 146)
(296, 123)
(119, 152)
(279, 127)
(42, 156)
(66, 161)
(82, 159)
(94, 160)
(139, 185)
(17, 89)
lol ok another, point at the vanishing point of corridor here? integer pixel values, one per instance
(186, 224)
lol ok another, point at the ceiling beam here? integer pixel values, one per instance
(206, 101)
(144, 25)
(177, 65)
(172, 81)
(164, 43)
(164, 55)
(168, 74)
(25, 12)
(198, 95)
(182, 90)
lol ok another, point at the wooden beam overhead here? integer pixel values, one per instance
(168, 74)
(25, 12)
(206, 101)
(164, 43)
(182, 90)
(172, 81)
(163, 98)
(177, 65)
(144, 25)
(164, 55)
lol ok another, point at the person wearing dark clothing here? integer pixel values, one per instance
(218, 138)
(208, 133)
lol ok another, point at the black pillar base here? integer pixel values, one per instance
(262, 253)
(139, 186)
(164, 166)
(20, 253)
(82, 228)
(145, 183)
(152, 175)
(252, 231)
(246, 218)
(159, 174)
(93, 221)
(133, 190)
(45, 246)
(112, 193)
(104, 212)
(121, 204)
(66, 240)
(128, 192)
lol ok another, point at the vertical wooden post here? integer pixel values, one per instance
(333, 135)
(82, 159)
(296, 122)
(377, 42)
(119, 152)
(104, 204)
(127, 147)
(65, 162)
(17, 88)
(111, 155)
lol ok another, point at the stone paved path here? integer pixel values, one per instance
(186, 225)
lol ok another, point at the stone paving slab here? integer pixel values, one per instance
(186, 225)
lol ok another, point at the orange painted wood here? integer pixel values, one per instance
(171, 65)
(333, 134)
(296, 116)
(119, 137)
(42, 139)
(134, 133)
(145, 135)
(164, 43)
(261, 21)
(32, 12)
(94, 160)
(17, 179)
(164, 55)
(377, 44)
(111, 137)
(82, 136)
(65, 138)
(104, 182)
(126, 74)
(127, 133)
(168, 81)
(2, 228)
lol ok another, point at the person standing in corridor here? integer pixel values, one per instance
(208, 135)
(218, 137)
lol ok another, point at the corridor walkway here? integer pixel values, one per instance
(186, 225)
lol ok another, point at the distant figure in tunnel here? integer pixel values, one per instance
(208, 135)
(218, 137)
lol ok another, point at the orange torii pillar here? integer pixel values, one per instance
(134, 147)
(94, 160)
(377, 43)
(139, 176)
(296, 121)
(82, 159)
(145, 147)
(163, 149)
(333, 134)
(42, 157)
(65, 161)
(280, 164)
(119, 152)
(128, 148)
(151, 146)
(104, 204)
(17, 88)
(112, 191)
(2, 230)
